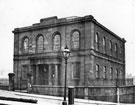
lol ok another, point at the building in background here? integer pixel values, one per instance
(97, 54)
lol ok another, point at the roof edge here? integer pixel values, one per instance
(54, 21)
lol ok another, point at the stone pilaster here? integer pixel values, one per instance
(37, 74)
(50, 77)
(56, 75)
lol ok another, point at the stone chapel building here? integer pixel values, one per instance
(97, 54)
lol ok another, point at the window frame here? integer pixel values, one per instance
(54, 36)
(110, 47)
(77, 66)
(104, 72)
(97, 40)
(111, 73)
(117, 73)
(37, 46)
(97, 76)
(104, 44)
(72, 42)
(121, 74)
(23, 47)
(24, 71)
(116, 49)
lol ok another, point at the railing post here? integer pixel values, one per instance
(70, 95)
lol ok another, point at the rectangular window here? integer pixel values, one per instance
(76, 70)
(24, 72)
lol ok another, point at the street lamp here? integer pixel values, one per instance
(66, 53)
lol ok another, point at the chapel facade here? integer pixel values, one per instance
(96, 53)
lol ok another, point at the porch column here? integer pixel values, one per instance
(56, 74)
(50, 78)
(37, 74)
(29, 72)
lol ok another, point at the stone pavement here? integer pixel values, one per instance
(45, 100)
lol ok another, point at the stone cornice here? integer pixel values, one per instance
(37, 26)
(59, 22)
(63, 21)
(57, 55)
(106, 57)
(109, 31)
(54, 22)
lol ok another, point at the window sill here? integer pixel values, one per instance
(75, 78)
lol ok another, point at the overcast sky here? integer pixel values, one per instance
(117, 15)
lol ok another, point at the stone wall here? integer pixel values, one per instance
(86, 54)
(109, 93)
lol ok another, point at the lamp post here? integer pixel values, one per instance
(66, 53)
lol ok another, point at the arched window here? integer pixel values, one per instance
(104, 72)
(57, 42)
(25, 45)
(97, 71)
(75, 39)
(110, 46)
(120, 50)
(121, 74)
(117, 73)
(40, 43)
(97, 40)
(104, 44)
(116, 49)
(111, 73)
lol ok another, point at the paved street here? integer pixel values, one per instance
(45, 100)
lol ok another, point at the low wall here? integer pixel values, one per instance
(110, 82)
(102, 93)
(46, 90)
(4, 87)
(126, 93)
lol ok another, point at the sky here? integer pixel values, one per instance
(116, 15)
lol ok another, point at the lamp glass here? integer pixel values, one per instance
(66, 52)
